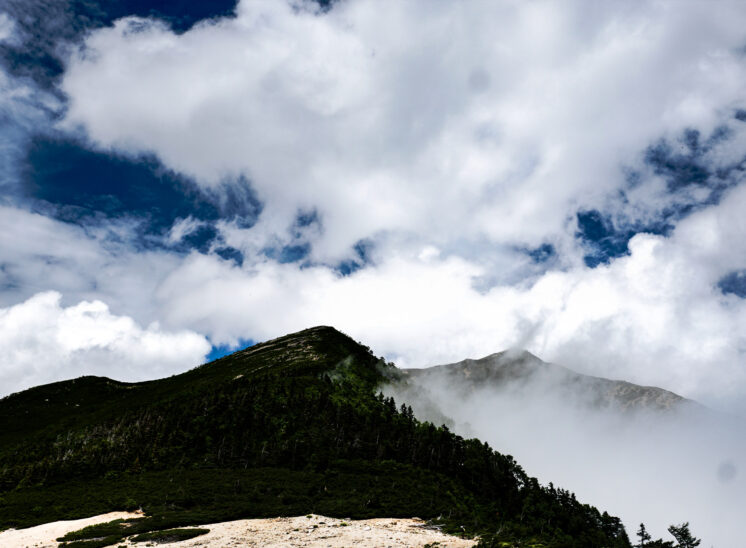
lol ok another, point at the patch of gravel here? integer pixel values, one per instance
(43, 536)
(316, 531)
(311, 531)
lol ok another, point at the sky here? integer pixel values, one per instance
(439, 180)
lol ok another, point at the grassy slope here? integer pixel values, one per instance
(290, 426)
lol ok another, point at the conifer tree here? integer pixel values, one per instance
(643, 535)
(683, 537)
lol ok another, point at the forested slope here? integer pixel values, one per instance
(291, 426)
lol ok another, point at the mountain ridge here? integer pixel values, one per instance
(520, 370)
(291, 426)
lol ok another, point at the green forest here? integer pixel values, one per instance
(293, 426)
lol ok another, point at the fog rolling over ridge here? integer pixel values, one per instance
(644, 453)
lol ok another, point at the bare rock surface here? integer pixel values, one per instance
(43, 536)
(311, 531)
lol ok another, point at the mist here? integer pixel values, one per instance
(653, 458)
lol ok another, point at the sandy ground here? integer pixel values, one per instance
(306, 531)
(43, 536)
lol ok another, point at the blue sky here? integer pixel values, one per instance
(203, 175)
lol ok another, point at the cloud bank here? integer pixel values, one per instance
(656, 467)
(44, 341)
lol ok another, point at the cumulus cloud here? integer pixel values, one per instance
(44, 341)
(524, 113)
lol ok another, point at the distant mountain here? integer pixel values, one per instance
(522, 373)
(288, 427)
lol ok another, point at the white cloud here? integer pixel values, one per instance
(7, 28)
(655, 317)
(182, 228)
(23, 109)
(44, 341)
(39, 253)
(524, 113)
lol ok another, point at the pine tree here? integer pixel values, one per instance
(643, 535)
(683, 537)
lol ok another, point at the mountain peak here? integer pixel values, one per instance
(520, 370)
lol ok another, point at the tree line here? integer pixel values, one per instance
(681, 533)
